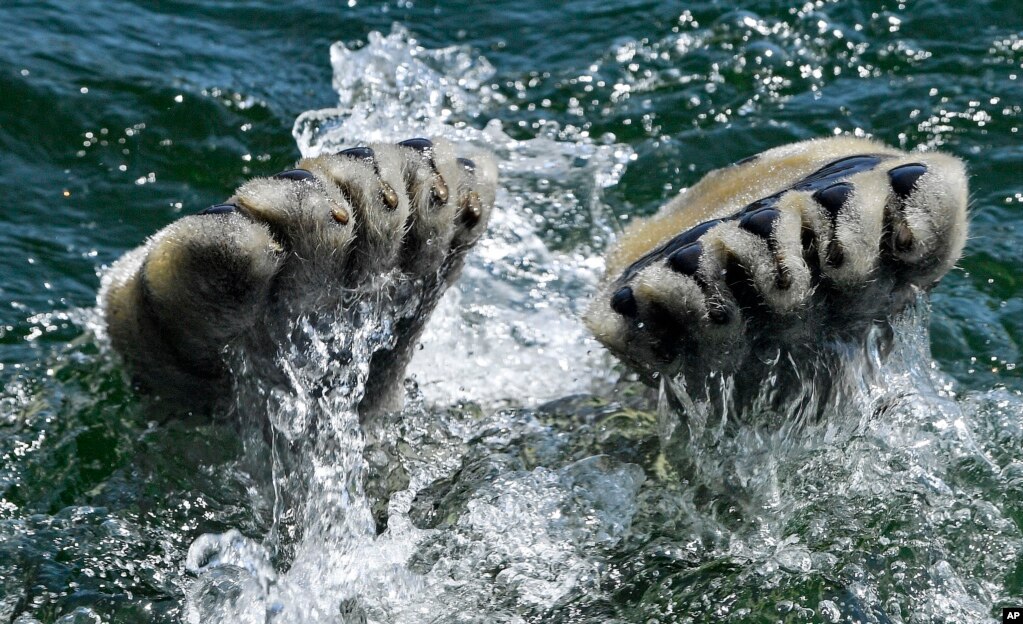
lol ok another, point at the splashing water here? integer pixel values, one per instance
(477, 503)
(483, 343)
(510, 327)
(481, 502)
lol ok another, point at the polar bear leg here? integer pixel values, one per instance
(291, 244)
(171, 305)
(801, 244)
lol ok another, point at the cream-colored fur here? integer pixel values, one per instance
(851, 261)
(800, 244)
(304, 242)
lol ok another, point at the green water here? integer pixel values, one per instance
(117, 117)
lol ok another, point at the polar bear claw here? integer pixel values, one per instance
(293, 243)
(802, 243)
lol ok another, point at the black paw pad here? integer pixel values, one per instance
(760, 222)
(362, 153)
(903, 179)
(834, 197)
(298, 175)
(687, 259)
(624, 302)
(685, 238)
(693, 234)
(837, 170)
(418, 144)
(218, 209)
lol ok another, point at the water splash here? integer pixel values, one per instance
(847, 514)
(583, 508)
(510, 327)
(484, 336)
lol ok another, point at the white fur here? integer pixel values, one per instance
(796, 306)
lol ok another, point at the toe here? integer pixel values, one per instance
(363, 177)
(210, 274)
(925, 217)
(450, 198)
(474, 181)
(307, 215)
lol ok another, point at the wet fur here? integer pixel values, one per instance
(812, 271)
(779, 256)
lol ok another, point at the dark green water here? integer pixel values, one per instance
(116, 117)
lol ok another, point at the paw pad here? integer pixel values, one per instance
(361, 153)
(624, 302)
(297, 175)
(419, 144)
(904, 178)
(833, 198)
(218, 209)
(761, 223)
(835, 230)
(687, 259)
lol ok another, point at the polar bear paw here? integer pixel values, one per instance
(296, 242)
(803, 243)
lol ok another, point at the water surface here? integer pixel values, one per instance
(118, 117)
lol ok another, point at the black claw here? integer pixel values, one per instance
(833, 197)
(687, 259)
(361, 152)
(760, 222)
(624, 302)
(903, 239)
(835, 254)
(903, 178)
(297, 175)
(807, 238)
(719, 316)
(418, 144)
(469, 165)
(783, 280)
(218, 209)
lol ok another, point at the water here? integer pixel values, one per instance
(521, 483)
